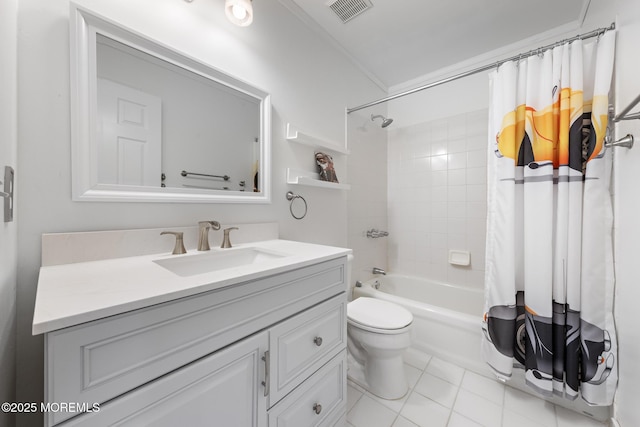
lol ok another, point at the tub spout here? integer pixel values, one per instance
(377, 270)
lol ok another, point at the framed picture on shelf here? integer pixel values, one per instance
(325, 167)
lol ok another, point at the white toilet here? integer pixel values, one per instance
(378, 333)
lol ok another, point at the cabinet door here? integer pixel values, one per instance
(223, 389)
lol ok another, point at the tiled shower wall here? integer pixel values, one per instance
(437, 197)
(367, 200)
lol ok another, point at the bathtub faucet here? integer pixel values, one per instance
(377, 270)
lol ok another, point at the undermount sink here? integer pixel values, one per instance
(190, 265)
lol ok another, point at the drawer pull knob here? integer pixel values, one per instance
(318, 341)
(317, 408)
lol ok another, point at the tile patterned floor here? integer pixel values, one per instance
(445, 395)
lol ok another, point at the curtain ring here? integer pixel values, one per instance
(292, 197)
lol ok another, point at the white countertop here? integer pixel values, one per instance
(70, 294)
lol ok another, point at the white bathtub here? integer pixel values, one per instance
(447, 318)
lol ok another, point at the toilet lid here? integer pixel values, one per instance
(379, 314)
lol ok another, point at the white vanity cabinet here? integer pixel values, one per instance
(265, 352)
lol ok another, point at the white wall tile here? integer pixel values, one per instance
(476, 158)
(456, 193)
(476, 193)
(439, 148)
(477, 209)
(458, 145)
(457, 160)
(456, 238)
(439, 197)
(476, 226)
(457, 209)
(439, 193)
(456, 225)
(439, 178)
(477, 175)
(439, 129)
(457, 177)
(439, 209)
(439, 163)
(457, 126)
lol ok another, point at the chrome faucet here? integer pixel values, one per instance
(203, 234)
(226, 243)
(377, 270)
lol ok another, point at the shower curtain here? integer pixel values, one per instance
(549, 270)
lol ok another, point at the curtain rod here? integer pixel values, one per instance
(594, 33)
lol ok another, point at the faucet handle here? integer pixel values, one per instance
(226, 243)
(179, 247)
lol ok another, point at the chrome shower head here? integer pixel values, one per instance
(385, 122)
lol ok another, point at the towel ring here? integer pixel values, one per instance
(292, 197)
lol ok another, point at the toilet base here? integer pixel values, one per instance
(386, 378)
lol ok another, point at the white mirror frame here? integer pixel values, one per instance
(84, 25)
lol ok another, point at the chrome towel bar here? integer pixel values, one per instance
(623, 115)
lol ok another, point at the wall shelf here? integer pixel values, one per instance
(312, 179)
(296, 135)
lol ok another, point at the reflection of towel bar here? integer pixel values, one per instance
(206, 188)
(225, 177)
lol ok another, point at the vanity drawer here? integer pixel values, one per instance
(97, 361)
(305, 342)
(319, 401)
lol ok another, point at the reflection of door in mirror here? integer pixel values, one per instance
(208, 129)
(129, 135)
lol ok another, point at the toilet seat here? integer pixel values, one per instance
(379, 316)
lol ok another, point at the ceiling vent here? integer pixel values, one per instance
(349, 9)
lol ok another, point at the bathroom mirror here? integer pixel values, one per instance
(150, 124)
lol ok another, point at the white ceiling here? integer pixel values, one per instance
(401, 40)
